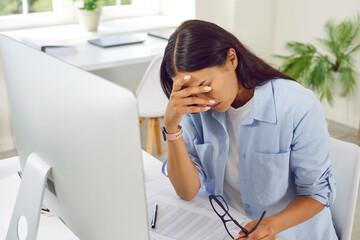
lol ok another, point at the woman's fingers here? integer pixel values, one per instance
(179, 82)
(194, 109)
(191, 91)
(193, 101)
(248, 227)
(264, 231)
(181, 92)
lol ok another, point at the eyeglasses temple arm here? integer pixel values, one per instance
(262, 216)
(241, 227)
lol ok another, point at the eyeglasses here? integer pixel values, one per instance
(231, 225)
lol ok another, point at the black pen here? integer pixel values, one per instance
(153, 220)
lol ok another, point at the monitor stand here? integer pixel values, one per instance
(30, 196)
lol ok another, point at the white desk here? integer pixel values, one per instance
(158, 189)
(89, 57)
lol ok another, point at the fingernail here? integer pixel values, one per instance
(240, 235)
(211, 101)
(186, 77)
(207, 108)
(207, 88)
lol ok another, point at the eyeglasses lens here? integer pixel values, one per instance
(220, 206)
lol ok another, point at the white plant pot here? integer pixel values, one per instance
(89, 20)
(339, 90)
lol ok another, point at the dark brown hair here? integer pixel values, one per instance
(199, 44)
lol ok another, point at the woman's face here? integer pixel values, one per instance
(223, 83)
(225, 89)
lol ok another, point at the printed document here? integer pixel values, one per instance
(191, 220)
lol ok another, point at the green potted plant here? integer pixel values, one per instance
(89, 15)
(331, 70)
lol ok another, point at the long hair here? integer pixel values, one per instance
(199, 44)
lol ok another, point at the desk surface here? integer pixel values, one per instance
(90, 57)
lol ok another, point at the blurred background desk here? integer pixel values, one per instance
(124, 65)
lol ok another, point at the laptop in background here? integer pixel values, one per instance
(162, 33)
(119, 40)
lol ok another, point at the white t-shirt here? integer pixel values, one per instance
(231, 182)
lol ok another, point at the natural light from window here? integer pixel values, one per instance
(16, 14)
(13, 7)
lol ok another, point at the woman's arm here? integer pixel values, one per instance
(299, 210)
(182, 172)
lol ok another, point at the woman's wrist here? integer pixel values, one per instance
(275, 223)
(170, 129)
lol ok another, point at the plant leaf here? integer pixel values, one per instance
(298, 63)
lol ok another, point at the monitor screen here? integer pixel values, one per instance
(78, 138)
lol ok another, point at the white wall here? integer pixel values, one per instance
(181, 9)
(251, 21)
(219, 12)
(265, 25)
(254, 25)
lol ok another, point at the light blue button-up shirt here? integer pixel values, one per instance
(284, 152)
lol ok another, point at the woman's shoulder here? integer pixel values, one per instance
(290, 89)
(291, 95)
(288, 84)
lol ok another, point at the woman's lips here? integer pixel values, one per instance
(215, 106)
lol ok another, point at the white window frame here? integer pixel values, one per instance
(137, 8)
(64, 13)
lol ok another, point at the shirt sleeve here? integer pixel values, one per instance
(310, 152)
(190, 136)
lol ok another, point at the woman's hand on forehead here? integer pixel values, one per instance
(179, 81)
(190, 81)
(181, 90)
(184, 100)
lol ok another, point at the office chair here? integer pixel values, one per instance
(152, 103)
(346, 168)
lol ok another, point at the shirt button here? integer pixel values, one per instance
(243, 155)
(330, 174)
(242, 181)
(247, 205)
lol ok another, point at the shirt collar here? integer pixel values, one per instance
(264, 103)
(263, 108)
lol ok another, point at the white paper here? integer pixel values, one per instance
(190, 220)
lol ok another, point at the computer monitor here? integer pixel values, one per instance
(78, 141)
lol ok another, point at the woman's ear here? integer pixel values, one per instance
(232, 59)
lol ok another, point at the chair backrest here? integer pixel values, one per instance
(152, 100)
(346, 168)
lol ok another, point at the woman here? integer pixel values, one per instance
(241, 129)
